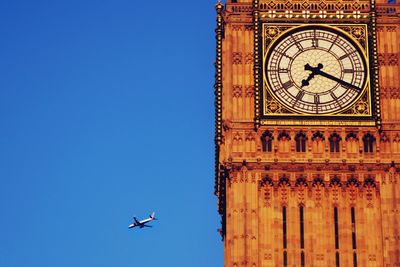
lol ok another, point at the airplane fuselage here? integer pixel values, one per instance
(142, 223)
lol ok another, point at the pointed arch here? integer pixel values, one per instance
(266, 141)
(266, 181)
(301, 181)
(284, 181)
(352, 143)
(369, 182)
(283, 136)
(300, 139)
(284, 142)
(335, 181)
(369, 141)
(352, 181)
(318, 181)
(334, 142)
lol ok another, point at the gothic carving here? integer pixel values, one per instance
(388, 59)
(301, 186)
(283, 136)
(318, 186)
(249, 58)
(352, 185)
(381, 59)
(237, 90)
(317, 136)
(249, 27)
(237, 58)
(249, 91)
(370, 187)
(314, 5)
(390, 92)
(392, 59)
(259, 153)
(351, 136)
(266, 184)
(237, 28)
(384, 138)
(284, 189)
(266, 141)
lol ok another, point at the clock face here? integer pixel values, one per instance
(315, 70)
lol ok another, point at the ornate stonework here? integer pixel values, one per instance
(307, 192)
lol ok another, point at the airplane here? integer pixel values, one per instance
(142, 223)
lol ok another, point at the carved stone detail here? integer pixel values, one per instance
(237, 90)
(249, 58)
(249, 91)
(237, 58)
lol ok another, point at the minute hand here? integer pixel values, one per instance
(333, 78)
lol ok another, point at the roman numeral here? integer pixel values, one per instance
(346, 55)
(316, 99)
(300, 95)
(348, 71)
(283, 70)
(315, 40)
(333, 96)
(278, 70)
(287, 84)
(280, 53)
(298, 45)
(334, 41)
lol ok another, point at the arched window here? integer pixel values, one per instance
(266, 181)
(284, 144)
(300, 139)
(352, 142)
(369, 182)
(301, 181)
(352, 181)
(396, 144)
(335, 181)
(384, 143)
(284, 181)
(266, 140)
(318, 142)
(368, 140)
(318, 181)
(334, 142)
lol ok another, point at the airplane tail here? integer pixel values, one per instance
(152, 215)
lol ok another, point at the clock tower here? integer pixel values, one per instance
(307, 134)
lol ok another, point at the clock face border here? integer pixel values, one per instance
(272, 111)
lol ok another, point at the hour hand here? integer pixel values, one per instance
(306, 82)
(314, 71)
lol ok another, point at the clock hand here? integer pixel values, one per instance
(333, 78)
(306, 82)
(318, 71)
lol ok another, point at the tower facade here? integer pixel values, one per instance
(307, 96)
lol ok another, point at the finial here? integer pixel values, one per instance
(219, 6)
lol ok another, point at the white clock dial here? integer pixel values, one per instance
(315, 70)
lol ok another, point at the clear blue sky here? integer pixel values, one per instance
(106, 112)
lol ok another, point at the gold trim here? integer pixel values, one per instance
(336, 27)
(286, 122)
